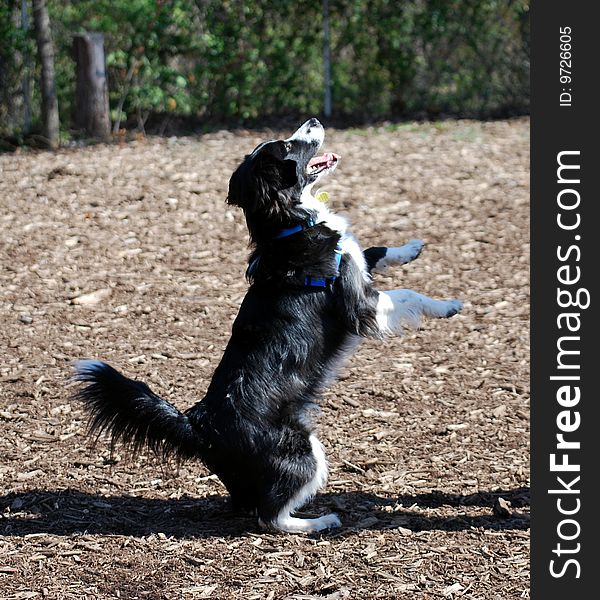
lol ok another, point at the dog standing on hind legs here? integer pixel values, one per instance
(310, 299)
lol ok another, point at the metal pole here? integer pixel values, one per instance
(327, 109)
(26, 84)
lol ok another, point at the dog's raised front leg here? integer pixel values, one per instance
(380, 257)
(397, 309)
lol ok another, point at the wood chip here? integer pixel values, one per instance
(502, 508)
(451, 590)
(93, 297)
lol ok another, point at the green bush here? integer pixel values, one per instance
(236, 60)
(16, 64)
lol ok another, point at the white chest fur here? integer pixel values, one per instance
(348, 242)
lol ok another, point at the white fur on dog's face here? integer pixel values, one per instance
(311, 132)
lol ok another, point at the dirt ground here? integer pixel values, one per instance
(427, 435)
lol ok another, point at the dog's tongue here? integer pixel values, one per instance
(326, 159)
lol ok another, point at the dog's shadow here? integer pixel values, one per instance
(71, 512)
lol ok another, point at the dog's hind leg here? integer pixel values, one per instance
(381, 257)
(397, 309)
(296, 481)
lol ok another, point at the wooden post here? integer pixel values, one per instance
(91, 96)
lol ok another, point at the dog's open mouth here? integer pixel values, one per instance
(318, 164)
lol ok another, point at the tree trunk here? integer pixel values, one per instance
(41, 23)
(91, 99)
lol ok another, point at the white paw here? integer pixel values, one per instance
(454, 306)
(414, 248)
(403, 254)
(328, 522)
(291, 524)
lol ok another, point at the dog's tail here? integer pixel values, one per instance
(132, 414)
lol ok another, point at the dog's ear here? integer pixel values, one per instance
(238, 186)
(276, 173)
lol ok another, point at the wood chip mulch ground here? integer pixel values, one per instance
(128, 253)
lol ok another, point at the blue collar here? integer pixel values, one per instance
(295, 229)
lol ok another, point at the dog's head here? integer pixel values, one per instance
(269, 183)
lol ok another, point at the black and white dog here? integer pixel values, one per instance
(310, 300)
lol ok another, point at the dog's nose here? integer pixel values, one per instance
(310, 131)
(313, 122)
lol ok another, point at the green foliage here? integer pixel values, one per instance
(16, 56)
(245, 59)
(146, 45)
(432, 57)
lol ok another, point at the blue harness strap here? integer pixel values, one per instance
(325, 281)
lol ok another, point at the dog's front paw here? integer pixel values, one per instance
(413, 249)
(454, 307)
(402, 254)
